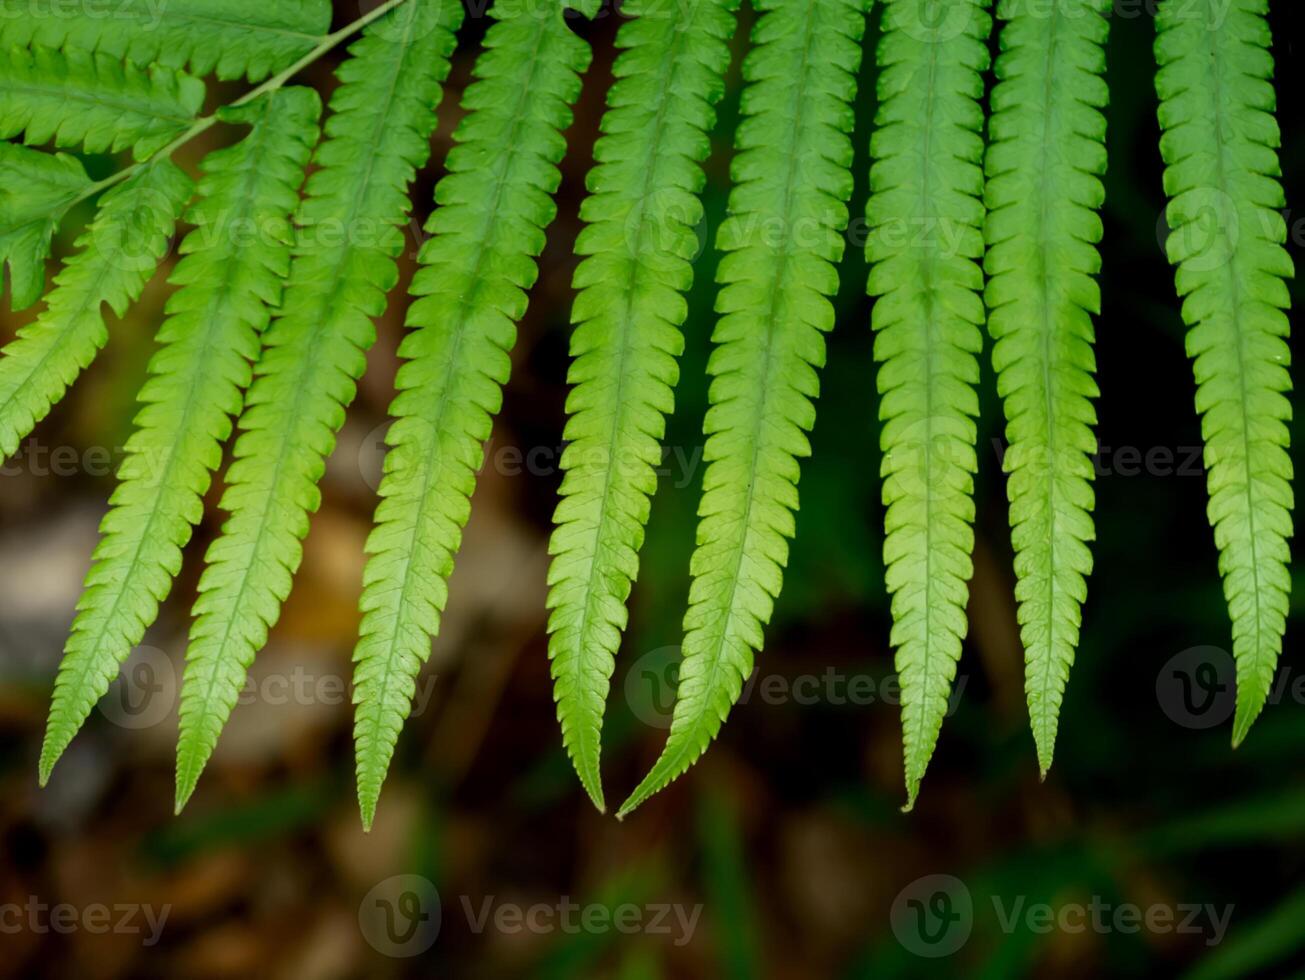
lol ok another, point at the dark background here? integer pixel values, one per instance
(788, 833)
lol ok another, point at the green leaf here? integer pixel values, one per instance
(383, 114)
(91, 101)
(122, 248)
(639, 242)
(206, 346)
(492, 210)
(119, 252)
(783, 239)
(925, 241)
(36, 191)
(1046, 155)
(229, 38)
(1220, 147)
(229, 278)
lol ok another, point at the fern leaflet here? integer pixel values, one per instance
(36, 191)
(782, 241)
(492, 209)
(207, 344)
(1222, 175)
(925, 219)
(123, 247)
(119, 252)
(383, 114)
(1045, 157)
(639, 245)
(229, 38)
(75, 98)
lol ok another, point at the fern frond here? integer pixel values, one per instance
(379, 132)
(36, 191)
(925, 241)
(229, 38)
(1046, 155)
(639, 244)
(1222, 179)
(122, 248)
(207, 344)
(782, 241)
(119, 251)
(487, 229)
(93, 101)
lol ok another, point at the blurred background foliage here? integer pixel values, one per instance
(788, 834)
